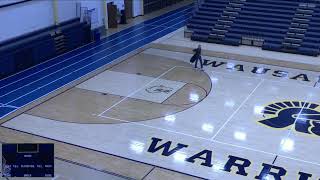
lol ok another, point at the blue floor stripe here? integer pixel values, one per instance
(29, 71)
(40, 74)
(80, 63)
(99, 49)
(43, 91)
(21, 93)
(6, 110)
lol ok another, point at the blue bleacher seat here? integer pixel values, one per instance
(23, 52)
(7, 65)
(290, 26)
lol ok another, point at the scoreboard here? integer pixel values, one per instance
(27, 160)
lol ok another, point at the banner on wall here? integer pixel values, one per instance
(137, 8)
(89, 16)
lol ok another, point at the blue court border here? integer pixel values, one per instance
(25, 87)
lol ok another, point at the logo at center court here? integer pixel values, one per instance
(304, 116)
(159, 89)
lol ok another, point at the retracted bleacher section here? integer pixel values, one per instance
(31, 49)
(279, 25)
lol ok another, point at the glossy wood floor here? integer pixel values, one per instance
(155, 111)
(151, 115)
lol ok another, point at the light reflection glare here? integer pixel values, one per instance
(214, 80)
(137, 146)
(258, 110)
(310, 95)
(230, 65)
(274, 89)
(229, 103)
(180, 157)
(194, 97)
(260, 70)
(239, 135)
(170, 118)
(287, 145)
(207, 127)
(218, 166)
(268, 177)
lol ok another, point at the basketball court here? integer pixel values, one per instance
(228, 112)
(155, 114)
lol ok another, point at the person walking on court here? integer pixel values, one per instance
(197, 57)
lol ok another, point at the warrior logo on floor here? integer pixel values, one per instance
(304, 116)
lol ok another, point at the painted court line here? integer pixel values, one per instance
(296, 159)
(77, 62)
(92, 168)
(163, 129)
(295, 121)
(5, 105)
(134, 92)
(159, 26)
(236, 111)
(211, 140)
(142, 23)
(293, 125)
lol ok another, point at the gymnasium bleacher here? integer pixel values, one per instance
(31, 49)
(291, 26)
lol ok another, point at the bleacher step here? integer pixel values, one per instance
(60, 42)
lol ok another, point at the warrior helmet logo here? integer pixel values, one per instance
(304, 116)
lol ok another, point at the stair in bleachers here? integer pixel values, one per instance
(205, 17)
(298, 27)
(311, 40)
(60, 42)
(225, 21)
(260, 22)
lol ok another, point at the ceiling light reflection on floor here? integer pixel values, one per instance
(170, 118)
(230, 65)
(258, 110)
(268, 177)
(287, 145)
(137, 146)
(229, 103)
(180, 157)
(207, 128)
(214, 80)
(260, 70)
(194, 97)
(239, 135)
(218, 166)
